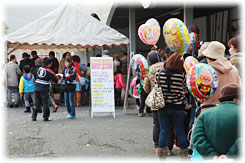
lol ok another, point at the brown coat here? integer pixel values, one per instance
(236, 60)
(227, 73)
(149, 81)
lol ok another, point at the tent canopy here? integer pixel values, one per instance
(66, 28)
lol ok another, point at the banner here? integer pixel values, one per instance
(102, 85)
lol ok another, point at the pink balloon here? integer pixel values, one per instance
(149, 32)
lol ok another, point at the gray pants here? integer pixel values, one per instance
(13, 90)
(27, 97)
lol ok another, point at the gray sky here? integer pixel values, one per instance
(17, 17)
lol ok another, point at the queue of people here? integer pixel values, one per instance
(173, 123)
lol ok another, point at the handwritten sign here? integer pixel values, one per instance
(102, 85)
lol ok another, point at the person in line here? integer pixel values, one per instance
(135, 93)
(106, 53)
(143, 96)
(69, 86)
(54, 62)
(44, 75)
(76, 62)
(216, 132)
(13, 71)
(226, 72)
(173, 84)
(236, 56)
(27, 87)
(154, 61)
(201, 58)
(119, 85)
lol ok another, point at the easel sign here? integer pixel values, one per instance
(102, 85)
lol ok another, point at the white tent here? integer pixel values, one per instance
(66, 28)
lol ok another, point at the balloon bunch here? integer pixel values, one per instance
(174, 31)
(202, 80)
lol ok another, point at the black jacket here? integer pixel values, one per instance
(44, 75)
(69, 76)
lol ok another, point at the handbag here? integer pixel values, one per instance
(155, 99)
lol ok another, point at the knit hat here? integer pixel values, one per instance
(215, 50)
(106, 52)
(153, 57)
(229, 92)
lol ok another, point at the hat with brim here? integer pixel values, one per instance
(229, 92)
(215, 50)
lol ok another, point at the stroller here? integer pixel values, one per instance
(197, 113)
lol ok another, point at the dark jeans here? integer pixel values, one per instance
(138, 102)
(118, 97)
(156, 132)
(156, 128)
(69, 101)
(165, 116)
(143, 97)
(42, 98)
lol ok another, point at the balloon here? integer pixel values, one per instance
(189, 63)
(202, 81)
(139, 65)
(149, 32)
(176, 35)
(194, 40)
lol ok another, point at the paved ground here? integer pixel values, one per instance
(125, 136)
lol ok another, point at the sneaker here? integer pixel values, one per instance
(140, 114)
(47, 119)
(34, 119)
(16, 105)
(27, 111)
(68, 115)
(10, 105)
(71, 117)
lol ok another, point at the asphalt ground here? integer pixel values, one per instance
(126, 136)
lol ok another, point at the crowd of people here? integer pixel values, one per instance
(31, 80)
(219, 113)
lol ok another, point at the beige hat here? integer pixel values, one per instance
(215, 50)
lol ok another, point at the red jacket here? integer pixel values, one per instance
(118, 79)
(79, 71)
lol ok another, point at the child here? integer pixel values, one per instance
(69, 86)
(27, 86)
(44, 75)
(135, 93)
(118, 80)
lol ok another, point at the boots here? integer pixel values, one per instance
(183, 153)
(78, 98)
(162, 152)
(28, 110)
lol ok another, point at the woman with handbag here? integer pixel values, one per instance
(69, 86)
(173, 84)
